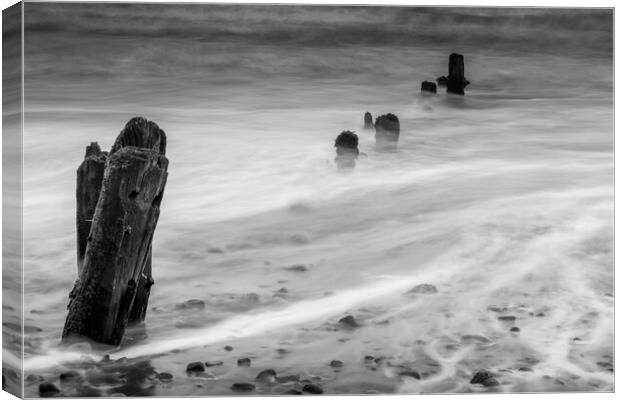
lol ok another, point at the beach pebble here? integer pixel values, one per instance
(69, 376)
(515, 329)
(540, 314)
(244, 362)
(193, 304)
(312, 389)
(165, 377)
(497, 309)
(47, 389)
(526, 369)
(297, 268)
(213, 363)
(336, 364)
(266, 376)
(242, 387)
(509, 318)
(609, 366)
(228, 348)
(348, 322)
(484, 378)
(281, 351)
(423, 288)
(195, 367)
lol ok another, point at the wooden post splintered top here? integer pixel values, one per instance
(92, 149)
(141, 133)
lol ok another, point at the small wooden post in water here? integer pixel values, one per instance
(346, 150)
(368, 121)
(387, 130)
(456, 75)
(428, 87)
(118, 250)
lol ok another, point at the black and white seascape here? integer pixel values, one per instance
(476, 255)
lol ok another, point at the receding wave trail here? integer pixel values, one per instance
(246, 326)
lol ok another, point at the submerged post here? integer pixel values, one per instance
(456, 74)
(428, 87)
(387, 130)
(115, 274)
(368, 121)
(346, 150)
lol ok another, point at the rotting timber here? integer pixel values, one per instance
(114, 283)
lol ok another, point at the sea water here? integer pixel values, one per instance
(501, 199)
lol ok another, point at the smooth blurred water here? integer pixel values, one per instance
(501, 198)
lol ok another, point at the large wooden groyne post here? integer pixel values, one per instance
(456, 74)
(115, 275)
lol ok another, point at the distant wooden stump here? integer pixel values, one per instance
(429, 87)
(118, 251)
(387, 131)
(442, 81)
(368, 121)
(346, 150)
(456, 75)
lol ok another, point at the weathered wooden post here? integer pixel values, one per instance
(89, 178)
(118, 247)
(368, 121)
(346, 150)
(429, 87)
(456, 74)
(387, 130)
